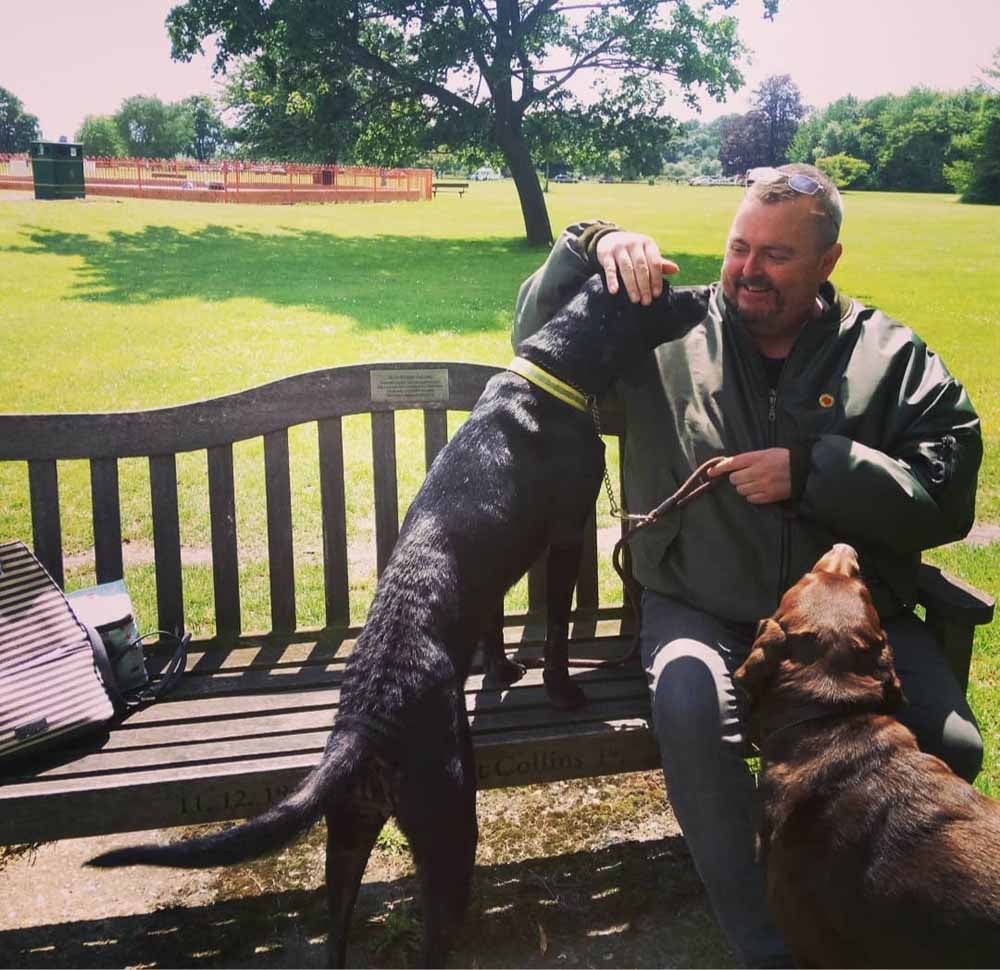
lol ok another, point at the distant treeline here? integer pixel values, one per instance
(922, 141)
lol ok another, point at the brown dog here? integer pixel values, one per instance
(877, 854)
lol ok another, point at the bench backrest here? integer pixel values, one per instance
(325, 397)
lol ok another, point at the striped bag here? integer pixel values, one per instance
(55, 679)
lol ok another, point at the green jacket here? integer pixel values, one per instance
(890, 441)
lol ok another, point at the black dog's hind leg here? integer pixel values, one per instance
(499, 669)
(351, 830)
(562, 569)
(437, 813)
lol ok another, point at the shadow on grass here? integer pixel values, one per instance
(419, 283)
(636, 904)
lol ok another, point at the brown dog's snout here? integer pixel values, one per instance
(841, 559)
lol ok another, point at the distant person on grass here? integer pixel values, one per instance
(839, 425)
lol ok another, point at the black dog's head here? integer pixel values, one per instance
(824, 645)
(596, 338)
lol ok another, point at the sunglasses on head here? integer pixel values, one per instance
(797, 181)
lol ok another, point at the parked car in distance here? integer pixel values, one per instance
(716, 180)
(564, 177)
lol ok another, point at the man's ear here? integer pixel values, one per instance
(829, 260)
(765, 656)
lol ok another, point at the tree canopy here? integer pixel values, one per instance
(17, 128)
(147, 126)
(762, 136)
(921, 141)
(479, 69)
(100, 136)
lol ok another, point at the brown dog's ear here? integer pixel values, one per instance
(765, 656)
(892, 689)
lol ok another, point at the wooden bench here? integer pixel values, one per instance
(459, 187)
(177, 176)
(253, 712)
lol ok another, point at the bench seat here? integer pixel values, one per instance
(250, 720)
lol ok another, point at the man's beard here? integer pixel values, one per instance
(755, 322)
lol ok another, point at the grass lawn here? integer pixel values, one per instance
(115, 305)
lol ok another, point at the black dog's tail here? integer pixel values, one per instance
(267, 832)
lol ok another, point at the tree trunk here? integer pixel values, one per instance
(529, 189)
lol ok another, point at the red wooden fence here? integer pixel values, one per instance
(235, 181)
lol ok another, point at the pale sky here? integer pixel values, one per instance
(68, 58)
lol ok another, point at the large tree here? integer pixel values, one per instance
(206, 132)
(762, 136)
(779, 100)
(483, 66)
(152, 128)
(744, 143)
(17, 128)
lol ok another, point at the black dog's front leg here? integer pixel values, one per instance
(562, 569)
(498, 668)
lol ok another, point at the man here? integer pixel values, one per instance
(838, 424)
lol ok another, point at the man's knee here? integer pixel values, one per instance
(688, 693)
(962, 747)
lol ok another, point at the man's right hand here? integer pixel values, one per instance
(636, 258)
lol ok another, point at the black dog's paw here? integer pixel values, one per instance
(562, 692)
(504, 672)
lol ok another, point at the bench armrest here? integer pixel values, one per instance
(954, 610)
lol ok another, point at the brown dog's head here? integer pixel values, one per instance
(824, 645)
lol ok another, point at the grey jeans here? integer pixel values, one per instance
(689, 658)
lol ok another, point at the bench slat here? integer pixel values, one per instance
(586, 584)
(386, 492)
(43, 485)
(334, 512)
(106, 507)
(243, 738)
(435, 434)
(225, 562)
(301, 399)
(280, 554)
(166, 543)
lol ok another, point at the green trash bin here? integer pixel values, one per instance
(57, 169)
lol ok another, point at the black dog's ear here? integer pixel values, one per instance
(765, 656)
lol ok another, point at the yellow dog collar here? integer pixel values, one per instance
(547, 382)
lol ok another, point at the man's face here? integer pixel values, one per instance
(774, 265)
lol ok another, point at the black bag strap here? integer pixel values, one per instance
(170, 674)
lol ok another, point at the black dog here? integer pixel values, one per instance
(521, 474)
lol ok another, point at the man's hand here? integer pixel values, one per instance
(760, 477)
(637, 258)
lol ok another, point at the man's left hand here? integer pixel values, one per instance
(761, 477)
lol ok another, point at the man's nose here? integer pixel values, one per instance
(751, 265)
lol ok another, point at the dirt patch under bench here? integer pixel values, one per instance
(590, 873)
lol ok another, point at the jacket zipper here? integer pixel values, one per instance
(785, 530)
